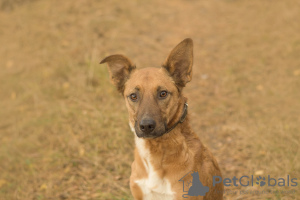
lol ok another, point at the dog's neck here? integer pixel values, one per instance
(170, 146)
(170, 143)
(168, 150)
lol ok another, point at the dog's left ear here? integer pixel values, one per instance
(119, 68)
(180, 61)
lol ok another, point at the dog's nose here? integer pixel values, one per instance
(147, 125)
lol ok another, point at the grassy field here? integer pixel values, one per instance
(63, 127)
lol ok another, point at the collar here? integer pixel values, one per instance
(181, 120)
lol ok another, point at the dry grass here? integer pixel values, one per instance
(63, 127)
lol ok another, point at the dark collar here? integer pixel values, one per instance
(182, 118)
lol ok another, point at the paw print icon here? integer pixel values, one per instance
(261, 181)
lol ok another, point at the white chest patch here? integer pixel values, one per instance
(153, 187)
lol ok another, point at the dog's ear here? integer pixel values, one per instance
(119, 68)
(180, 61)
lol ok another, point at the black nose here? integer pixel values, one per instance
(147, 125)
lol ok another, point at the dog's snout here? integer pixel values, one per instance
(147, 125)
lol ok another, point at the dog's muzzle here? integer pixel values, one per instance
(146, 128)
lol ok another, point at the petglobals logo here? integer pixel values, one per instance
(246, 181)
(192, 186)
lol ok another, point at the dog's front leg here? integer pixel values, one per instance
(134, 187)
(136, 190)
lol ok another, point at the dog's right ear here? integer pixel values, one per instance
(119, 68)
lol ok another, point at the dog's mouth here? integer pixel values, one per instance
(157, 132)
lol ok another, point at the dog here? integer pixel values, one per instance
(166, 147)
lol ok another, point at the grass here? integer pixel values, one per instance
(63, 127)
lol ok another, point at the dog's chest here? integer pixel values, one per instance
(153, 187)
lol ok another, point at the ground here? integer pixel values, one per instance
(63, 127)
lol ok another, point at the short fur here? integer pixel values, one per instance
(161, 160)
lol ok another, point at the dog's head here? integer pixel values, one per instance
(153, 95)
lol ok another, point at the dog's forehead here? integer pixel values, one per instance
(150, 77)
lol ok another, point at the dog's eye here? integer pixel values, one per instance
(133, 97)
(163, 94)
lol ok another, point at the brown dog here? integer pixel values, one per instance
(168, 154)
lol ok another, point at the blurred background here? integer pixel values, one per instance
(63, 127)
